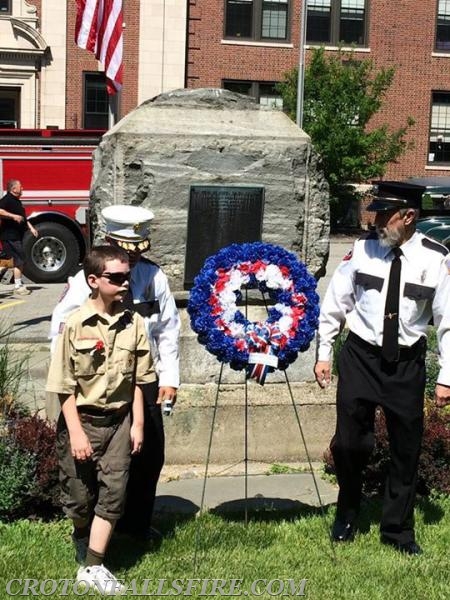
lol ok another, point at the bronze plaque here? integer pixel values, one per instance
(220, 215)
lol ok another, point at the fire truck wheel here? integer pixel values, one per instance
(52, 256)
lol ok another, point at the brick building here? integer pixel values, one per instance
(45, 80)
(242, 45)
(247, 45)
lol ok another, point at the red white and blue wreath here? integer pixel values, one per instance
(259, 347)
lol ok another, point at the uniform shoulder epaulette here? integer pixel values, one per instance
(436, 246)
(369, 235)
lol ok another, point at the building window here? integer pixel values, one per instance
(95, 106)
(257, 19)
(9, 108)
(337, 22)
(263, 92)
(443, 26)
(5, 7)
(439, 146)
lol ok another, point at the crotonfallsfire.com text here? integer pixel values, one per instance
(163, 587)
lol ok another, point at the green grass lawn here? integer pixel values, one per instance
(272, 547)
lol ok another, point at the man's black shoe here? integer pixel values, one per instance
(343, 531)
(406, 548)
(152, 535)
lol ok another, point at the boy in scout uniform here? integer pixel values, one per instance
(129, 228)
(102, 357)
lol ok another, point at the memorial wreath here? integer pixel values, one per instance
(259, 347)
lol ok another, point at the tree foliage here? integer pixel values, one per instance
(341, 95)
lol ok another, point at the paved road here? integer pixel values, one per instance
(27, 318)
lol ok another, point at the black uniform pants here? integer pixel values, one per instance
(145, 467)
(366, 381)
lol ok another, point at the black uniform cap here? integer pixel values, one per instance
(389, 195)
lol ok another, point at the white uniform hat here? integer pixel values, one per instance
(128, 225)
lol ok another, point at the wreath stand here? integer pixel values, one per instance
(245, 460)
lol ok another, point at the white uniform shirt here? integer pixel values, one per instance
(148, 284)
(358, 288)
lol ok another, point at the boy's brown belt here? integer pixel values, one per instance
(100, 418)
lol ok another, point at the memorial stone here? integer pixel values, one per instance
(190, 138)
(220, 216)
(203, 159)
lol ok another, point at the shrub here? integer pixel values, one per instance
(38, 437)
(337, 346)
(432, 364)
(16, 479)
(28, 464)
(29, 468)
(434, 463)
(12, 370)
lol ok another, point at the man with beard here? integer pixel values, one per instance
(386, 290)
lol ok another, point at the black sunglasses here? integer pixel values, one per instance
(118, 278)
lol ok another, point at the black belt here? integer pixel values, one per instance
(100, 418)
(404, 352)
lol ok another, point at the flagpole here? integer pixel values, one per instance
(301, 65)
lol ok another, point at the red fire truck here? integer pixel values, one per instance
(55, 168)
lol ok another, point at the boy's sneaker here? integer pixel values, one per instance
(100, 580)
(81, 546)
(21, 291)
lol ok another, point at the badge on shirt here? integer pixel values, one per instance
(61, 327)
(348, 255)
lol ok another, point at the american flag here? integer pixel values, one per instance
(99, 29)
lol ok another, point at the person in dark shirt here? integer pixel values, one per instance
(13, 225)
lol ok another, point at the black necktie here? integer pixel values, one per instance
(389, 349)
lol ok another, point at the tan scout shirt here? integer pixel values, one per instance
(100, 357)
